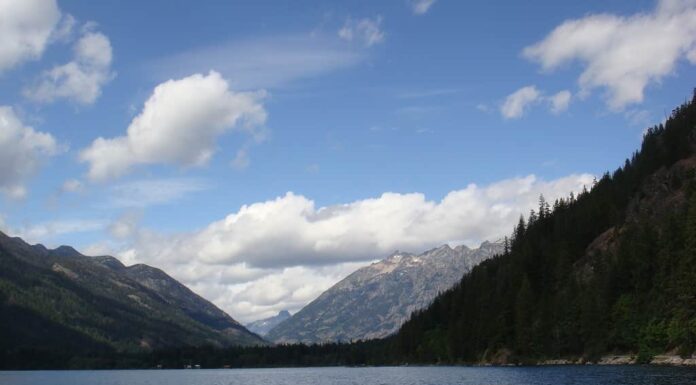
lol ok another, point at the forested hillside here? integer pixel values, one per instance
(59, 307)
(611, 270)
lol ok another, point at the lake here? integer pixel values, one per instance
(549, 375)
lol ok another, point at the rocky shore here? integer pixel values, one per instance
(628, 359)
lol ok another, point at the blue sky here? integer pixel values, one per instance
(446, 105)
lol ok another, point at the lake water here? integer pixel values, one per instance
(556, 375)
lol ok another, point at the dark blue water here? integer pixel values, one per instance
(556, 375)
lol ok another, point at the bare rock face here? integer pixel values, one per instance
(376, 300)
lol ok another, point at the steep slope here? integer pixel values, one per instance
(375, 300)
(610, 271)
(81, 303)
(263, 326)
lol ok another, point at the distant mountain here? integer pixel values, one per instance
(62, 300)
(263, 326)
(375, 300)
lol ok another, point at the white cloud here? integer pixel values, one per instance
(179, 124)
(518, 102)
(286, 289)
(290, 230)
(421, 7)
(367, 31)
(25, 30)
(560, 101)
(263, 62)
(622, 54)
(149, 192)
(81, 80)
(282, 253)
(22, 150)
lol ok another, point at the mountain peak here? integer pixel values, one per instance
(375, 300)
(65, 252)
(263, 326)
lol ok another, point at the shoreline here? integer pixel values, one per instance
(617, 360)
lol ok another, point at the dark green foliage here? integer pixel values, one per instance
(611, 270)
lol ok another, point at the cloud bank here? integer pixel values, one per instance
(282, 253)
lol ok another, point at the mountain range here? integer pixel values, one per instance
(61, 298)
(375, 300)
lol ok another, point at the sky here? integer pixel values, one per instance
(260, 151)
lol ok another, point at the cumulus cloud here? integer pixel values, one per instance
(22, 149)
(25, 30)
(179, 124)
(622, 54)
(367, 31)
(81, 80)
(421, 7)
(517, 103)
(290, 230)
(282, 253)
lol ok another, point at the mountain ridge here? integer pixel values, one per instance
(373, 301)
(103, 303)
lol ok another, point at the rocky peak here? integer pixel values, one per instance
(375, 300)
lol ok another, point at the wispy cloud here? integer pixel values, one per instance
(421, 7)
(45, 232)
(264, 62)
(427, 93)
(367, 31)
(143, 193)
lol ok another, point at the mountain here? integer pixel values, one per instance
(263, 326)
(375, 300)
(611, 271)
(64, 301)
